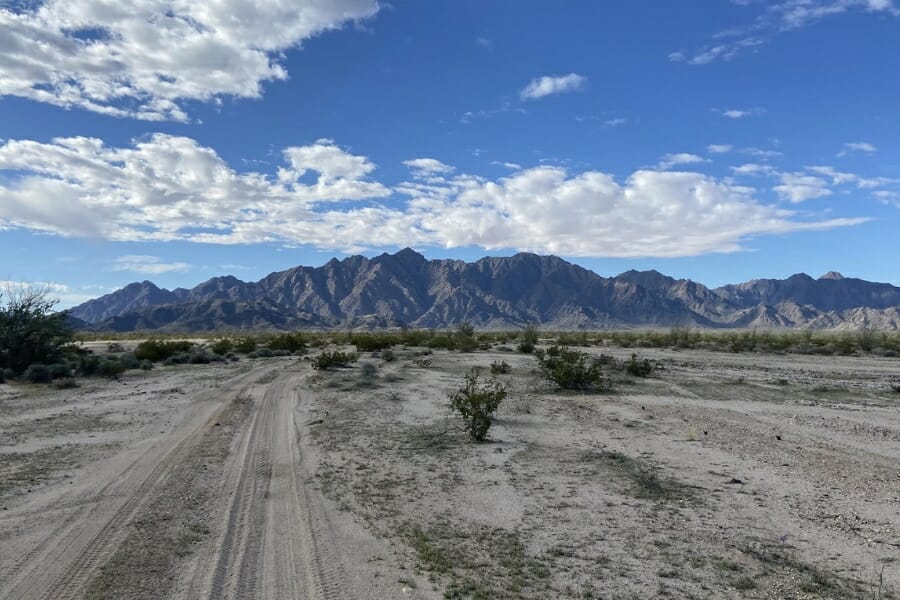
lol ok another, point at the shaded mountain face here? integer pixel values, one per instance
(405, 289)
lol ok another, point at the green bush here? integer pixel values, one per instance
(37, 373)
(222, 346)
(529, 339)
(245, 345)
(336, 358)
(387, 355)
(571, 369)
(289, 342)
(58, 370)
(500, 367)
(30, 331)
(159, 350)
(110, 367)
(260, 353)
(476, 402)
(464, 337)
(146, 365)
(639, 368)
(371, 342)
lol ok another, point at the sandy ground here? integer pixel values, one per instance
(720, 476)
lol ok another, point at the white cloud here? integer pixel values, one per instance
(800, 187)
(428, 166)
(682, 158)
(550, 85)
(888, 197)
(617, 122)
(171, 188)
(853, 147)
(774, 19)
(145, 58)
(719, 148)
(736, 113)
(64, 294)
(150, 265)
(753, 169)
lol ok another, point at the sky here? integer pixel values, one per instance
(720, 141)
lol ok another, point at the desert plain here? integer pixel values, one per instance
(720, 475)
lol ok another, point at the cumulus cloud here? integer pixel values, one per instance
(681, 158)
(800, 187)
(424, 167)
(172, 188)
(64, 294)
(150, 265)
(145, 58)
(549, 85)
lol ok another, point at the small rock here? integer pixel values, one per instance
(734, 481)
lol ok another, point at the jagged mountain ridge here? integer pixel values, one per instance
(405, 289)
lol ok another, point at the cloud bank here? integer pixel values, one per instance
(145, 58)
(168, 188)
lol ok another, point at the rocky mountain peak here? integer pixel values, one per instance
(832, 275)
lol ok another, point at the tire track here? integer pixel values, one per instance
(72, 556)
(272, 543)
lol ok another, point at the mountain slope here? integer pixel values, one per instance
(407, 289)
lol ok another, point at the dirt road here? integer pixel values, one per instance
(230, 469)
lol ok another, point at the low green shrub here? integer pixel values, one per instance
(336, 358)
(245, 344)
(59, 370)
(160, 350)
(288, 342)
(571, 369)
(65, 383)
(222, 346)
(476, 402)
(37, 373)
(500, 367)
(639, 368)
(528, 340)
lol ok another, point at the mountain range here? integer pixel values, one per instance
(406, 289)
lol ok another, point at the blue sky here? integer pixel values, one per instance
(719, 141)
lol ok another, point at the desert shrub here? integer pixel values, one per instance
(895, 387)
(638, 368)
(281, 353)
(368, 370)
(182, 358)
(500, 367)
(160, 350)
(442, 340)
(146, 365)
(2, 376)
(110, 367)
(199, 358)
(245, 344)
(571, 369)
(387, 355)
(65, 383)
(261, 353)
(336, 358)
(37, 373)
(222, 346)
(130, 361)
(58, 370)
(289, 342)
(371, 342)
(464, 337)
(30, 331)
(114, 348)
(528, 340)
(422, 362)
(476, 402)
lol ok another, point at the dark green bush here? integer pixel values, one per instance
(37, 373)
(464, 337)
(289, 342)
(528, 340)
(371, 342)
(245, 345)
(110, 367)
(222, 346)
(130, 361)
(159, 350)
(387, 355)
(146, 365)
(336, 358)
(571, 369)
(30, 331)
(639, 368)
(58, 370)
(182, 358)
(260, 353)
(500, 367)
(476, 402)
